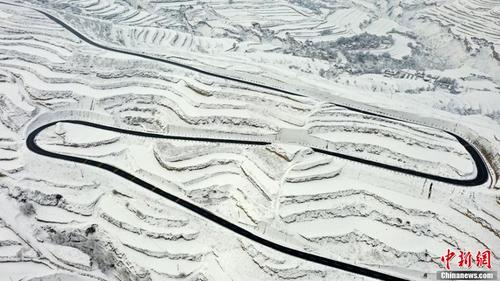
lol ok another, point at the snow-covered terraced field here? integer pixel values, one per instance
(217, 18)
(397, 143)
(122, 231)
(474, 20)
(375, 226)
(238, 181)
(314, 200)
(249, 89)
(88, 228)
(294, 38)
(148, 100)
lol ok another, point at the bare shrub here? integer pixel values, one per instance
(27, 209)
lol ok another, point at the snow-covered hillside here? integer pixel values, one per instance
(351, 130)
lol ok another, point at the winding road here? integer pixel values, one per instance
(482, 174)
(33, 146)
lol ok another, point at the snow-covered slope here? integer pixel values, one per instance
(62, 220)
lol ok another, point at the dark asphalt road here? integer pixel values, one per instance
(482, 172)
(33, 146)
